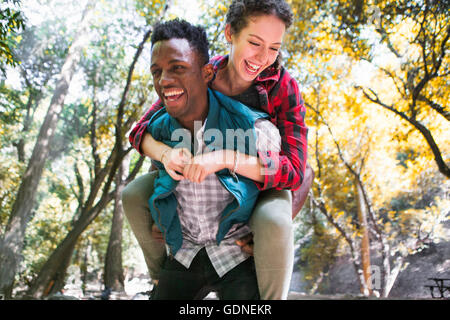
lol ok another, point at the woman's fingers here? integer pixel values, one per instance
(174, 175)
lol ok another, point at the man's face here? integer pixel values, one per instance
(179, 79)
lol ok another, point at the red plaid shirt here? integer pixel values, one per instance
(280, 97)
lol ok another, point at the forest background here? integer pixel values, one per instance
(75, 78)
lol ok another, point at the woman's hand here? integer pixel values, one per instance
(204, 164)
(175, 161)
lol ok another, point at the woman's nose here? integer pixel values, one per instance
(262, 56)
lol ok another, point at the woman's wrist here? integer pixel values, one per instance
(164, 154)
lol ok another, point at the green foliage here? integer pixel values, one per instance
(11, 22)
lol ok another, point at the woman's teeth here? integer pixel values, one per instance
(252, 67)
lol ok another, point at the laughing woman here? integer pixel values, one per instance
(252, 74)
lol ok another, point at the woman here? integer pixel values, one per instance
(252, 74)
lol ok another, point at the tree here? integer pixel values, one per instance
(113, 276)
(418, 64)
(11, 22)
(11, 243)
(51, 277)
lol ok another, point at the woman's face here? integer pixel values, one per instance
(256, 46)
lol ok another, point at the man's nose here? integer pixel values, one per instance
(165, 78)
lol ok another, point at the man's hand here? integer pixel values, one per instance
(157, 234)
(175, 160)
(204, 164)
(246, 243)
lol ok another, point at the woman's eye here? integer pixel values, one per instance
(275, 49)
(254, 43)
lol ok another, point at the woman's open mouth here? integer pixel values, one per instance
(252, 68)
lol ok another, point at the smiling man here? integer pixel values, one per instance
(202, 202)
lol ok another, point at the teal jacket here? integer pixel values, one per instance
(224, 113)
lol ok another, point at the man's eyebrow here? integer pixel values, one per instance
(171, 61)
(256, 36)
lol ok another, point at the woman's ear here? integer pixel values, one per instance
(228, 32)
(208, 72)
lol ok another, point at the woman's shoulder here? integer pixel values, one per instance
(284, 85)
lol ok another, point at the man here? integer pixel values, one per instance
(201, 206)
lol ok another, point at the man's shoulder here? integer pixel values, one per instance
(160, 116)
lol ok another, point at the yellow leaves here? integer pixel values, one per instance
(222, 7)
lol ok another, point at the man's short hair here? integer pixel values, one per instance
(181, 29)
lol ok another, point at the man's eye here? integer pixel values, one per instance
(155, 72)
(275, 49)
(254, 43)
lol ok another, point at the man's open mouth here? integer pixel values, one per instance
(172, 95)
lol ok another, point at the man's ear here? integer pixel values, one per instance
(208, 72)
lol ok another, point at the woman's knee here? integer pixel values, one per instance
(273, 218)
(138, 191)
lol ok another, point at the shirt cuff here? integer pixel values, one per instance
(270, 162)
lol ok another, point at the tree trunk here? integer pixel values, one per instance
(11, 244)
(55, 267)
(114, 276)
(366, 289)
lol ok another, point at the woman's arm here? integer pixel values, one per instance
(139, 131)
(143, 142)
(207, 163)
(267, 139)
(289, 165)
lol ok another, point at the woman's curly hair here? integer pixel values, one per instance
(240, 11)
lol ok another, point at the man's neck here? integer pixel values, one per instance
(190, 123)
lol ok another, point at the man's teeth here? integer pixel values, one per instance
(173, 93)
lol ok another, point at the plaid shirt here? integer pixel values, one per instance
(200, 206)
(280, 97)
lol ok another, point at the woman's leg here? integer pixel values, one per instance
(273, 238)
(135, 198)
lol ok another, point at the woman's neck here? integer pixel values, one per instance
(228, 82)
